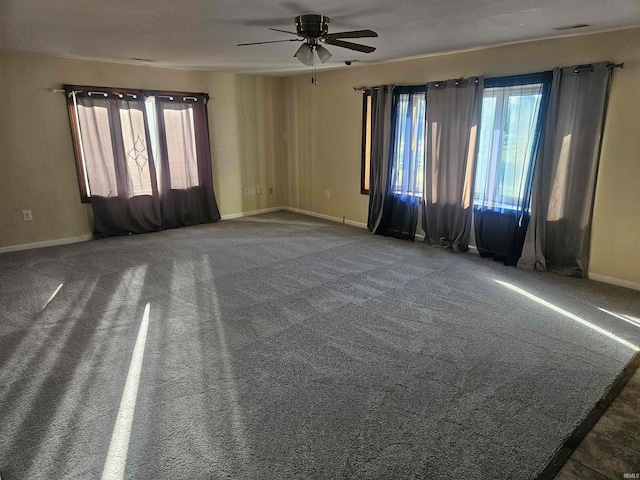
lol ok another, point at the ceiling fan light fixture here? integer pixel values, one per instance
(305, 54)
(323, 54)
(311, 29)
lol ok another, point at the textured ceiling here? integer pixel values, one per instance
(202, 34)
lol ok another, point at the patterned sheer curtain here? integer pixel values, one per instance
(513, 116)
(119, 163)
(406, 165)
(146, 161)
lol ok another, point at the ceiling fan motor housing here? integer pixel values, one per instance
(312, 26)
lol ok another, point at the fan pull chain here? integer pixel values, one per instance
(314, 80)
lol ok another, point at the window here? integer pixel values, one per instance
(366, 142)
(508, 139)
(506, 146)
(409, 140)
(408, 137)
(143, 158)
(116, 137)
(181, 148)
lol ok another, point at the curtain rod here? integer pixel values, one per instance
(437, 84)
(193, 96)
(578, 69)
(363, 88)
(589, 67)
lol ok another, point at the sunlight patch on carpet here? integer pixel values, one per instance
(627, 318)
(568, 314)
(52, 296)
(116, 462)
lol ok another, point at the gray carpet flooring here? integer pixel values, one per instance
(283, 346)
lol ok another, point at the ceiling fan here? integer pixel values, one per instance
(313, 30)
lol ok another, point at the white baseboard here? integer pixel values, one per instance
(47, 243)
(252, 212)
(327, 217)
(614, 281)
(84, 238)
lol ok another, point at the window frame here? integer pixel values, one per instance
(83, 180)
(366, 152)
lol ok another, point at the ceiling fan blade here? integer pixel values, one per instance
(351, 46)
(272, 41)
(283, 31)
(353, 34)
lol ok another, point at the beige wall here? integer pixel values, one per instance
(246, 125)
(37, 166)
(324, 130)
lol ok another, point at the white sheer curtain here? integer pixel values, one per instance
(147, 161)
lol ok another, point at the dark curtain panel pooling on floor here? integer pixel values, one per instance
(406, 164)
(453, 110)
(513, 117)
(565, 179)
(186, 184)
(381, 98)
(119, 163)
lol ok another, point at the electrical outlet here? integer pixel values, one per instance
(270, 190)
(27, 216)
(327, 194)
(258, 190)
(247, 191)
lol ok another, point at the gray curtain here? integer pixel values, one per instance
(558, 238)
(532, 257)
(381, 106)
(453, 119)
